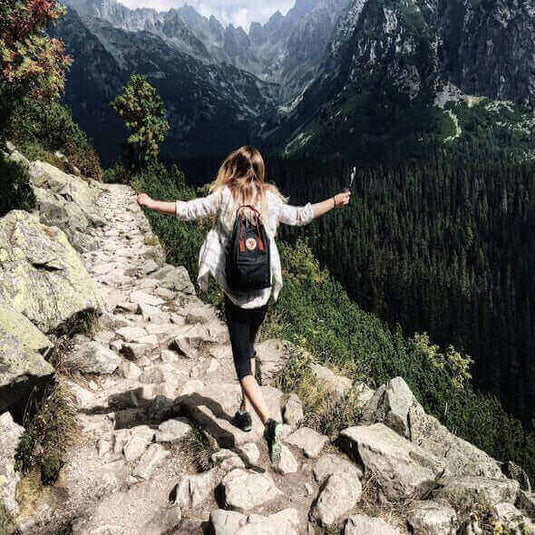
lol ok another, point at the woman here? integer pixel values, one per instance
(240, 180)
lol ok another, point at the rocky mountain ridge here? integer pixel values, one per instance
(331, 77)
(157, 370)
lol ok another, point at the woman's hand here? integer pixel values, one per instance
(144, 200)
(341, 199)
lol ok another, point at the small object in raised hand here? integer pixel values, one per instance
(353, 173)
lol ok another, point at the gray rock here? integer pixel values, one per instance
(401, 467)
(250, 451)
(226, 522)
(340, 494)
(41, 275)
(287, 463)
(394, 405)
(464, 491)
(285, 522)
(173, 430)
(308, 440)
(390, 404)
(515, 471)
(526, 500)
(182, 346)
(337, 383)
(227, 460)
(272, 358)
(512, 518)
(192, 490)
(175, 279)
(163, 521)
(21, 363)
(332, 463)
(150, 460)
(363, 524)
(10, 433)
(244, 490)
(427, 517)
(292, 410)
(130, 370)
(132, 334)
(97, 358)
(140, 437)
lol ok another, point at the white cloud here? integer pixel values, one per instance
(236, 12)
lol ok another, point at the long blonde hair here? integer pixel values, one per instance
(243, 171)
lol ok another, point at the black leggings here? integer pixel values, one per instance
(243, 324)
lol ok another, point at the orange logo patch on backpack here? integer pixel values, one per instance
(250, 243)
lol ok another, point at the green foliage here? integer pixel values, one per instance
(143, 111)
(40, 129)
(314, 312)
(5, 521)
(15, 187)
(50, 427)
(32, 63)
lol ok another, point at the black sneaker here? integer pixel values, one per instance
(242, 420)
(272, 432)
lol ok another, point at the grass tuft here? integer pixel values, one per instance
(50, 428)
(197, 446)
(322, 411)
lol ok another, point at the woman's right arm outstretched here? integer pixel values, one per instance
(184, 210)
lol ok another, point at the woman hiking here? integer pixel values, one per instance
(240, 181)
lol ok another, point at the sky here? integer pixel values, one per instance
(236, 12)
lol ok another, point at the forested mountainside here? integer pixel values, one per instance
(388, 72)
(373, 80)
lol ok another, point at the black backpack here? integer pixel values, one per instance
(248, 256)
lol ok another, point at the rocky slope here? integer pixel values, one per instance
(389, 62)
(157, 370)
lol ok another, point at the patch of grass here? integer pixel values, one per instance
(199, 449)
(322, 411)
(152, 240)
(29, 490)
(373, 502)
(50, 428)
(5, 521)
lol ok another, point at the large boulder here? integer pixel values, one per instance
(465, 491)
(401, 467)
(362, 524)
(70, 217)
(285, 522)
(70, 187)
(41, 275)
(338, 384)
(175, 279)
(395, 405)
(21, 364)
(10, 433)
(340, 494)
(428, 517)
(244, 489)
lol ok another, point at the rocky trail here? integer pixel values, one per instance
(155, 388)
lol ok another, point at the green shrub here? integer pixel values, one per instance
(50, 427)
(15, 187)
(36, 127)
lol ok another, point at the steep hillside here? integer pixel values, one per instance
(153, 389)
(389, 66)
